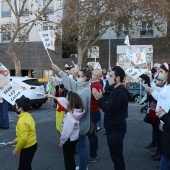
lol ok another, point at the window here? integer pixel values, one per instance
(122, 32)
(6, 36)
(22, 33)
(26, 7)
(147, 29)
(47, 26)
(47, 73)
(50, 8)
(5, 9)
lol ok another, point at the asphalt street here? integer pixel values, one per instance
(50, 157)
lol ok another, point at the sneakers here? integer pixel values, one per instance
(93, 160)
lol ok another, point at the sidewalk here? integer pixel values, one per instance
(49, 156)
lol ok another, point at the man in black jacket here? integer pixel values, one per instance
(115, 110)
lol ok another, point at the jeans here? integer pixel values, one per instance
(68, 151)
(4, 119)
(26, 157)
(165, 163)
(82, 151)
(95, 117)
(115, 143)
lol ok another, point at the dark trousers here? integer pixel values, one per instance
(26, 157)
(95, 117)
(68, 151)
(115, 143)
(157, 135)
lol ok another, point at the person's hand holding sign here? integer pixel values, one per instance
(55, 67)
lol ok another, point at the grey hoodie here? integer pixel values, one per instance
(83, 89)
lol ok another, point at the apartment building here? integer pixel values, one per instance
(34, 58)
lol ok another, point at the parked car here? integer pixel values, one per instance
(37, 100)
(135, 92)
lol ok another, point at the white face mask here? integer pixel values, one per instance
(158, 83)
(111, 81)
(70, 76)
(107, 76)
(80, 80)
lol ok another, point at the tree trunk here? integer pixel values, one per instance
(81, 53)
(16, 63)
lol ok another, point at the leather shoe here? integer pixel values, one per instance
(154, 155)
(158, 157)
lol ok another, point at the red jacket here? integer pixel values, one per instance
(94, 103)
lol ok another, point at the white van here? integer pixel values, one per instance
(37, 100)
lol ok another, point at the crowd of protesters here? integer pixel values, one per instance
(87, 93)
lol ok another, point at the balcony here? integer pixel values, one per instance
(146, 33)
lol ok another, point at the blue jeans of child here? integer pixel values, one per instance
(4, 119)
(82, 151)
(115, 143)
(95, 117)
(165, 163)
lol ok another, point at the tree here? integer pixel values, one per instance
(90, 19)
(20, 30)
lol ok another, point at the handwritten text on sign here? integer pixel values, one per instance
(11, 92)
(135, 73)
(48, 38)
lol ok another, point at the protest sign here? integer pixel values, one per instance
(127, 42)
(48, 39)
(134, 73)
(11, 92)
(4, 78)
(138, 58)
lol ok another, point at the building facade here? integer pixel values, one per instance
(34, 58)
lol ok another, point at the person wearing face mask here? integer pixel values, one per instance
(156, 133)
(95, 114)
(115, 110)
(73, 74)
(82, 87)
(26, 140)
(162, 97)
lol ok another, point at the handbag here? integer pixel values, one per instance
(150, 116)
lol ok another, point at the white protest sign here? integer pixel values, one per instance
(4, 73)
(134, 73)
(11, 92)
(127, 42)
(93, 52)
(4, 77)
(129, 53)
(48, 39)
(139, 58)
